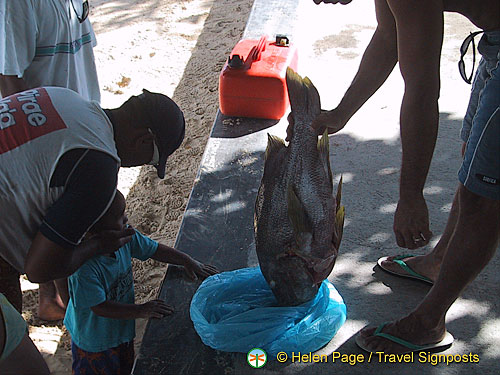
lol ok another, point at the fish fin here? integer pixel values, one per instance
(324, 154)
(339, 193)
(274, 144)
(297, 213)
(339, 225)
(339, 216)
(304, 98)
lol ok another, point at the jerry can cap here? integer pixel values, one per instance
(282, 40)
(235, 61)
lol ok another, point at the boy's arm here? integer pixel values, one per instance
(116, 310)
(167, 254)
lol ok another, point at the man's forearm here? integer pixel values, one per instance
(11, 85)
(47, 260)
(420, 36)
(419, 126)
(59, 263)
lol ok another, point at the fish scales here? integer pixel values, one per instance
(298, 221)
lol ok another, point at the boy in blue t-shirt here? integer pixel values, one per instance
(101, 311)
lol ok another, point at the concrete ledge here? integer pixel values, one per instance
(217, 226)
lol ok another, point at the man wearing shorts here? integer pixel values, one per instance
(411, 33)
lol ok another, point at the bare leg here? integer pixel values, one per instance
(428, 265)
(24, 360)
(471, 246)
(62, 290)
(50, 304)
(10, 285)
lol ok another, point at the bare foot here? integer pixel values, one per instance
(50, 305)
(50, 310)
(410, 328)
(422, 264)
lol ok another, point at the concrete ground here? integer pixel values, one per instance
(367, 153)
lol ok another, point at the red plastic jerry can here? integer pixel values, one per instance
(252, 82)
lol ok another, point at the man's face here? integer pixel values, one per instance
(137, 148)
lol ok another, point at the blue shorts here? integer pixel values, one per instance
(114, 361)
(480, 170)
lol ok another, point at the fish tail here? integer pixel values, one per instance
(304, 98)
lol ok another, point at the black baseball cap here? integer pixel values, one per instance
(166, 121)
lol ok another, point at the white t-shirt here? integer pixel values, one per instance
(37, 127)
(43, 42)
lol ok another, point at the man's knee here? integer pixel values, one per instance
(472, 204)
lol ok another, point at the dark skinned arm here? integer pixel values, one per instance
(420, 34)
(377, 63)
(118, 310)
(48, 261)
(11, 84)
(167, 254)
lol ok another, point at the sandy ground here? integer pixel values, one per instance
(176, 48)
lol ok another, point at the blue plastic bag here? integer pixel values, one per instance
(236, 311)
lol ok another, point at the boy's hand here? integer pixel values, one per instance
(194, 269)
(155, 309)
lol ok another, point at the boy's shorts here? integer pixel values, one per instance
(115, 361)
(480, 170)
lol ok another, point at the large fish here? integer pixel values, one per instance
(298, 220)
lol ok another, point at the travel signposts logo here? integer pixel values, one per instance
(257, 358)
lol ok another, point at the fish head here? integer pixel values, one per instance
(320, 269)
(297, 275)
(291, 282)
(318, 266)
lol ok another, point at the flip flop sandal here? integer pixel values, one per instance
(444, 343)
(411, 274)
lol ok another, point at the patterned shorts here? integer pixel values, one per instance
(115, 361)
